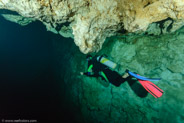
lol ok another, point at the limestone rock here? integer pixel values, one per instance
(148, 55)
(92, 21)
(18, 19)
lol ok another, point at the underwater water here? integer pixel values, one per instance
(40, 77)
(30, 84)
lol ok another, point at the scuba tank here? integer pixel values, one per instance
(106, 62)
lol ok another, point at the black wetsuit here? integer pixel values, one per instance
(113, 77)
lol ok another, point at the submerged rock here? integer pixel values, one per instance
(18, 19)
(155, 49)
(90, 22)
(151, 56)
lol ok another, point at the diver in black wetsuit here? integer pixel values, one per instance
(97, 69)
(98, 66)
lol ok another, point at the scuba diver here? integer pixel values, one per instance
(100, 66)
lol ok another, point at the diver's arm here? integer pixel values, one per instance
(91, 74)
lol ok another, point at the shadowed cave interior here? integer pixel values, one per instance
(30, 83)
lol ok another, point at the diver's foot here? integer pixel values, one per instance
(125, 75)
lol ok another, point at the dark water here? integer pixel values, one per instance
(30, 87)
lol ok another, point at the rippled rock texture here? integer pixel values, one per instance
(151, 56)
(90, 22)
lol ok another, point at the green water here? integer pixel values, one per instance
(148, 55)
(88, 99)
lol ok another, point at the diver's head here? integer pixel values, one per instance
(88, 57)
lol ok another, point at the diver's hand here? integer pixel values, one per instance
(81, 73)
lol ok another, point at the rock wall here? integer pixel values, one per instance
(148, 53)
(151, 56)
(18, 19)
(90, 22)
